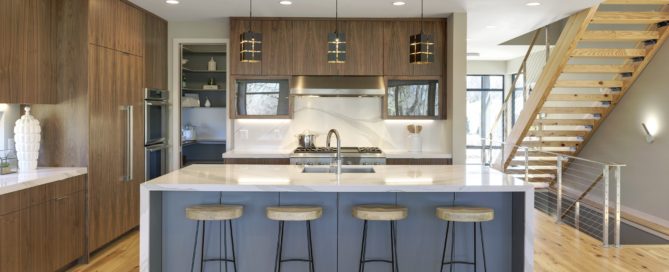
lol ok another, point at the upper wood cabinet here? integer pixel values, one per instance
(396, 48)
(310, 43)
(116, 25)
(28, 56)
(364, 43)
(237, 27)
(277, 48)
(155, 52)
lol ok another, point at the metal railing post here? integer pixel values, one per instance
(616, 231)
(484, 160)
(490, 150)
(527, 164)
(605, 213)
(548, 44)
(558, 207)
(577, 215)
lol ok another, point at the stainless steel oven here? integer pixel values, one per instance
(155, 160)
(156, 103)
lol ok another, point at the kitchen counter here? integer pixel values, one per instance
(420, 155)
(43, 175)
(164, 230)
(232, 154)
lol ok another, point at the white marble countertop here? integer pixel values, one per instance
(403, 178)
(400, 154)
(233, 154)
(43, 175)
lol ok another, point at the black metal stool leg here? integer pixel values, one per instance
(361, 267)
(485, 268)
(452, 248)
(393, 242)
(279, 248)
(197, 231)
(204, 225)
(232, 243)
(311, 251)
(443, 253)
(475, 268)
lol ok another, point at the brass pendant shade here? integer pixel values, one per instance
(250, 43)
(421, 45)
(336, 47)
(250, 47)
(421, 48)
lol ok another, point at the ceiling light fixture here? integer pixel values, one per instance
(250, 42)
(172, 2)
(533, 4)
(399, 3)
(285, 3)
(421, 46)
(336, 41)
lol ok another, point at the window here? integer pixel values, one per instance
(485, 95)
(262, 97)
(413, 98)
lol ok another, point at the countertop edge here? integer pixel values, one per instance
(337, 188)
(40, 178)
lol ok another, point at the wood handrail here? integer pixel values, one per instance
(574, 29)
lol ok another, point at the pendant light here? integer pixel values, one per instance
(336, 41)
(421, 46)
(250, 42)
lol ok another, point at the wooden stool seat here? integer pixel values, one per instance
(214, 212)
(465, 214)
(294, 213)
(380, 212)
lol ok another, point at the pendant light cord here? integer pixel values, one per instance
(337, 18)
(250, 15)
(421, 16)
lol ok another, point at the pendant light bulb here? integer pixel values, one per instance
(336, 41)
(421, 45)
(250, 43)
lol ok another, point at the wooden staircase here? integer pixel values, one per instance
(600, 54)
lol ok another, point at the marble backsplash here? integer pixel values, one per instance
(358, 120)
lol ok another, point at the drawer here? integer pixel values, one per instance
(10, 203)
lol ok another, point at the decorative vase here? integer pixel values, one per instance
(415, 143)
(211, 66)
(27, 135)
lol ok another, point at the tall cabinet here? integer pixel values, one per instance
(108, 52)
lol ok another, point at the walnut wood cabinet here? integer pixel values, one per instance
(117, 25)
(27, 59)
(375, 47)
(155, 52)
(42, 228)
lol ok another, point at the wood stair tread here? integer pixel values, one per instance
(557, 133)
(532, 163)
(545, 143)
(574, 110)
(607, 53)
(619, 35)
(589, 84)
(564, 122)
(619, 17)
(530, 171)
(581, 97)
(596, 68)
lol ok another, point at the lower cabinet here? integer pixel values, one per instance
(46, 232)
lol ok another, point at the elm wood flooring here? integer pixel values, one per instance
(558, 248)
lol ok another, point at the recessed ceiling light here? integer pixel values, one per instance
(285, 3)
(172, 2)
(399, 3)
(533, 4)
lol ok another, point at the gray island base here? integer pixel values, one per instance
(167, 237)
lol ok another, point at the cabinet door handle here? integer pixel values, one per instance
(129, 158)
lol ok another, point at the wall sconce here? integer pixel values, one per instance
(649, 136)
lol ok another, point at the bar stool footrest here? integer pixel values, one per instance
(458, 262)
(219, 260)
(377, 261)
(295, 260)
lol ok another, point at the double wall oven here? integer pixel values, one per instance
(156, 104)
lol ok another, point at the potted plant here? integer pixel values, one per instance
(5, 167)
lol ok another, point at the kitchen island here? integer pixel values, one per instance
(166, 236)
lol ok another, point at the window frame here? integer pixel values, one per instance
(441, 98)
(232, 94)
(483, 124)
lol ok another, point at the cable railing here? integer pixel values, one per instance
(577, 191)
(522, 84)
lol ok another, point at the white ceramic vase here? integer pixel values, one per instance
(27, 135)
(415, 143)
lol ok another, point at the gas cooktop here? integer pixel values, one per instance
(359, 150)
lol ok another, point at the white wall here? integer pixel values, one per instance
(645, 179)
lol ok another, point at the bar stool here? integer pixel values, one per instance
(214, 212)
(475, 215)
(390, 213)
(293, 213)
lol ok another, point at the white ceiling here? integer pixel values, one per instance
(511, 17)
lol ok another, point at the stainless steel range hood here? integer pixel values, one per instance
(338, 86)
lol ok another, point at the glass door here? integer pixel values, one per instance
(485, 95)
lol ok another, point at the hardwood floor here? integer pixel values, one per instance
(558, 248)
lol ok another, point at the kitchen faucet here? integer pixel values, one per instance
(327, 142)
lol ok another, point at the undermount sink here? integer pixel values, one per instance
(334, 170)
